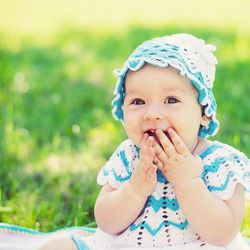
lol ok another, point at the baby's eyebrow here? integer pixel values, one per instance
(164, 90)
(173, 91)
(133, 92)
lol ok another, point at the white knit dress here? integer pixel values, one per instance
(162, 224)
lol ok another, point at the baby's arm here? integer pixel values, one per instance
(116, 209)
(215, 220)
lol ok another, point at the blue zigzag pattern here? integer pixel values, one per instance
(119, 177)
(224, 185)
(221, 187)
(105, 172)
(157, 204)
(126, 165)
(154, 231)
(213, 168)
(124, 160)
(210, 150)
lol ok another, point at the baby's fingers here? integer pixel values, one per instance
(161, 154)
(157, 162)
(143, 145)
(151, 174)
(178, 143)
(147, 155)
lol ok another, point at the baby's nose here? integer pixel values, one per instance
(153, 112)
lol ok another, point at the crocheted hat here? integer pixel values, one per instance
(185, 52)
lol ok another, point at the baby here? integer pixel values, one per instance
(168, 186)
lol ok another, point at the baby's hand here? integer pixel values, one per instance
(175, 160)
(144, 178)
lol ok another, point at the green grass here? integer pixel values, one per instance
(56, 126)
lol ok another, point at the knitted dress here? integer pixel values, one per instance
(161, 223)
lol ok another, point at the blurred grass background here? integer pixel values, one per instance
(56, 84)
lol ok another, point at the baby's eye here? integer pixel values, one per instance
(171, 100)
(138, 101)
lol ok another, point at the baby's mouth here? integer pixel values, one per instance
(152, 133)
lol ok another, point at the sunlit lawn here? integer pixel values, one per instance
(56, 126)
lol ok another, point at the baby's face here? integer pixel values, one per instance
(160, 98)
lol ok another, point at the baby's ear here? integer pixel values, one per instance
(205, 121)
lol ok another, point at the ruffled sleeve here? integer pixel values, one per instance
(119, 167)
(224, 168)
